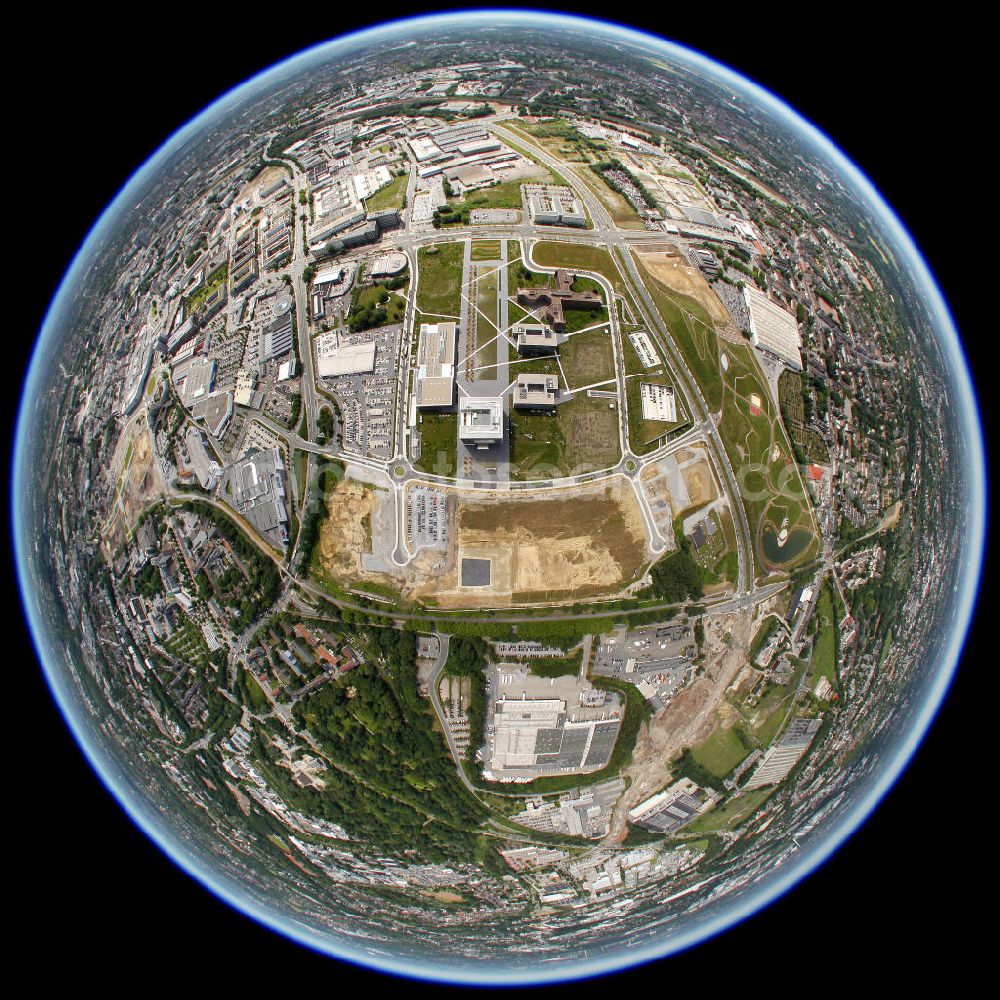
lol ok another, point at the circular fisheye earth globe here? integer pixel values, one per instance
(498, 498)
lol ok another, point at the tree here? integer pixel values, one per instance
(678, 576)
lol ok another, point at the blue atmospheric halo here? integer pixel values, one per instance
(112, 771)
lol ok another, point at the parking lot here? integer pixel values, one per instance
(426, 518)
(656, 659)
(367, 401)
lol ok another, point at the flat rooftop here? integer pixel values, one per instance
(773, 328)
(548, 724)
(535, 335)
(536, 390)
(480, 418)
(334, 359)
(658, 402)
(436, 390)
(435, 374)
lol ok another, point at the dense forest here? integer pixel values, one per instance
(389, 781)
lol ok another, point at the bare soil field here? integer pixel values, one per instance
(825, 306)
(345, 534)
(137, 478)
(891, 516)
(699, 482)
(656, 486)
(547, 545)
(670, 267)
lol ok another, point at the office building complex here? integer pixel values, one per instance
(480, 420)
(536, 392)
(535, 338)
(552, 302)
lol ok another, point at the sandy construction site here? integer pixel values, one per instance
(345, 535)
(138, 482)
(683, 481)
(503, 548)
(670, 267)
(689, 718)
(540, 545)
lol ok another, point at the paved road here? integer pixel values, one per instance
(618, 244)
(398, 471)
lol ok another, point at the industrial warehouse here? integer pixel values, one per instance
(773, 329)
(334, 359)
(256, 485)
(547, 725)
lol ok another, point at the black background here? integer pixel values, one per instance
(901, 98)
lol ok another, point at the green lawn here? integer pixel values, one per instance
(258, 700)
(438, 443)
(761, 455)
(580, 319)
(393, 195)
(730, 813)
(440, 279)
(824, 655)
(769, 714)
(535, 443)
(300, 463)
(586, 258)
(485, 249)
(728, 567)
(519, 275)
(505, 194)
(555, 666)
(587, 357)
(693, 333)
(582, 435)
(722, 751)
